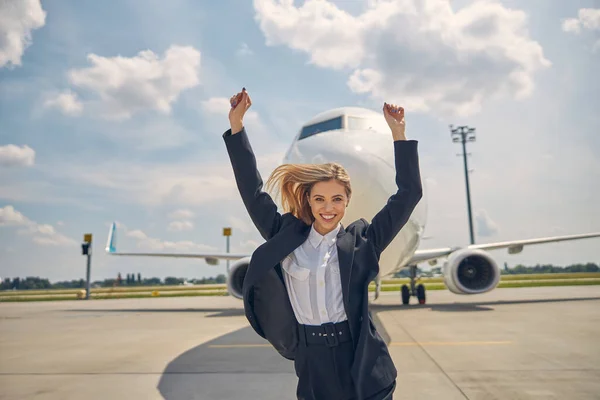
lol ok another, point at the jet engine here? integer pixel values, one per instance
(471, 271)
(235, 279)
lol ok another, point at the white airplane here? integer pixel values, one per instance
(359, 139)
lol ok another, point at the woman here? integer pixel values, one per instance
(306, 287)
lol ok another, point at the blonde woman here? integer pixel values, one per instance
(306, 288)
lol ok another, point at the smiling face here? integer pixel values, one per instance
(328, 202)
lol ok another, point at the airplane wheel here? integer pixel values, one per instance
(421, 293)
(405, 295)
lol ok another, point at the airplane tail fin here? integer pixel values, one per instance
(110, 244)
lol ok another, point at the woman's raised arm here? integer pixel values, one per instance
(393, 216)
(260, 206)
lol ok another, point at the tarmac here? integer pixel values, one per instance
(522, 343)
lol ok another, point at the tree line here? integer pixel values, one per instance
(137, 280)
(34, 282)
(550, 269)
(517, 270)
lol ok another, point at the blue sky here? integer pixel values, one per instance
(116, 113)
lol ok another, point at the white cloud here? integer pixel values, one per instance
(217, 105)
(181, 214)
(43, 234)
(150, 243)
(67, 102)
(180, 226)
(588, 18)
(18, 18)
(244, 50)
(11, 217)
(12, 155)
(318, 28)
(124, 86)
(571, 25)
(419, 53)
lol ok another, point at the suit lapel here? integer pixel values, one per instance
(275, 250)
(345, 248)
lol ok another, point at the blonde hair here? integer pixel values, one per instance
(295, 181)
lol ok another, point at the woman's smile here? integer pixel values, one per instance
(328, 217)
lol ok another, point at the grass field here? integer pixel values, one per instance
(388, 285)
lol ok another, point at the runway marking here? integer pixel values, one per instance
(394, 344)
(224, 346)
(448, 343)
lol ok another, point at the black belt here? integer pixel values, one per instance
(329, 334)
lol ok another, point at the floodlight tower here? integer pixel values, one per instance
(464, 134)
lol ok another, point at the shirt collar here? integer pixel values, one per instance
(316, 238)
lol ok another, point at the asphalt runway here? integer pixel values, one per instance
(526, 343)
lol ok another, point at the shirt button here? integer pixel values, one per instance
(323, 312)
(321, 283)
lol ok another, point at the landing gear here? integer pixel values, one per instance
(405, 294)
(415, 290)
(421, 293)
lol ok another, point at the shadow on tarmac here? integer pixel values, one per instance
(214, 312)
(251, 371)
(472, 306)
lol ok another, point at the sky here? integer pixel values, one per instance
(116, 113)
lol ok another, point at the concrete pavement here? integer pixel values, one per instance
(526, 343)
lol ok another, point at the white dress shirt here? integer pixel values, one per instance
(312, 278)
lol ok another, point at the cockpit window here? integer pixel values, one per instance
(329, 125)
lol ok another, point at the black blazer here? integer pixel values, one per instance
(266, 302)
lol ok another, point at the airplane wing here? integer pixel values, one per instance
(514, 247)
(210, 258)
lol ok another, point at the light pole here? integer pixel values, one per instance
(464, 134)
(86, 250)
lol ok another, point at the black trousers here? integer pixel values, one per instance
(323, 362)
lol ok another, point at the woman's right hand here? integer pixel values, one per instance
(240, 103)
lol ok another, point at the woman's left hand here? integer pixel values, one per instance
(394, 115)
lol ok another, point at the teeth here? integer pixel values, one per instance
(327, 216)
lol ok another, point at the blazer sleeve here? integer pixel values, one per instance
(260, 206)
(393, 216)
